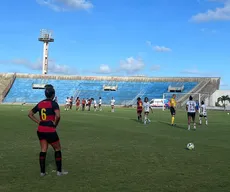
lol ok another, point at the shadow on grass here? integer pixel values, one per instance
(137, 121)
(175, 126)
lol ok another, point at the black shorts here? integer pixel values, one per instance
(193, 115)
(51, 137)
(201, 115)
(172, 111)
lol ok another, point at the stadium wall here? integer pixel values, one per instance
(117, 78)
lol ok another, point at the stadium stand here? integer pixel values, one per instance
(6, 81)
(125, 90)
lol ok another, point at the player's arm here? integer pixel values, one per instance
(151, 109)
(186, 106)
(32, 113)
(57, 114)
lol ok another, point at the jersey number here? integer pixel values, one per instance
(140, 104)
(43, 114)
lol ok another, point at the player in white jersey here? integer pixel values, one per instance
(67, 104)
(112, 102)
(147, 107)
(203, 113)
(100, 103)
(191, 110)
(95, 105)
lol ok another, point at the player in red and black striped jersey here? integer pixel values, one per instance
(139, 109)
(49, 119)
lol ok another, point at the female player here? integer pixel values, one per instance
(191, 112)
(112, 103)
(139, 109)
(203, 113)
(147, 106)
(49, 119)
(78, 101)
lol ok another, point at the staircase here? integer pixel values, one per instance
(134, 100)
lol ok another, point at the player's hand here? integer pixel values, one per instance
(54, 123)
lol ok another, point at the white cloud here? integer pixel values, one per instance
(53, 67)
(218, 14)
(66, 5)
(158, 48)
(155, 67)
(104, 69)
(131, 65)
(161, 48)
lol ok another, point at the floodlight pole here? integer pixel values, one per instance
(46, 38)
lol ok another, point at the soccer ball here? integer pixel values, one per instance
(228, 113)
(190, 146)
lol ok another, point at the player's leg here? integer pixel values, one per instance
(206, 119)
(43, 152)
(148, 120)
(55, 143)
(145, 117)
(200, 119)
(194, 120)
(173, 112)
(140, 115)
(189, 121)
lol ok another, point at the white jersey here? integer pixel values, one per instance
(191, 106)
(203, 110)
(100, 101)
(95, 103)
(67, 101)
(146, 106)
(112, 102)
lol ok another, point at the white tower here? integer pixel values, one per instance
(46, 37)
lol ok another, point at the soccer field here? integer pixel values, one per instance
(112, 152)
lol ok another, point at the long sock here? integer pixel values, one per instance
(145, 119)
(173, 119)
(206, 119)
(200, 120)
(42, 161)
(58, 159)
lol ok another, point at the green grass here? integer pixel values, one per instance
(106, 152)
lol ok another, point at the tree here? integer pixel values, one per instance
(223, 99)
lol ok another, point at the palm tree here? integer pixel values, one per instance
(223, 99)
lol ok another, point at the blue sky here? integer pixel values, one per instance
(118, 37)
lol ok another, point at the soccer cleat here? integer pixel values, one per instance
(62, 173)
(42, 174)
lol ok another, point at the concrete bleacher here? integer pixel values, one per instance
(5, 82)
(86, 87)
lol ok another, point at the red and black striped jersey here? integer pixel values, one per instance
(46, 109)
(139, 105)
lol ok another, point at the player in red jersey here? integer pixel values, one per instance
(139, 109)
(78, 103)
(49, 119)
